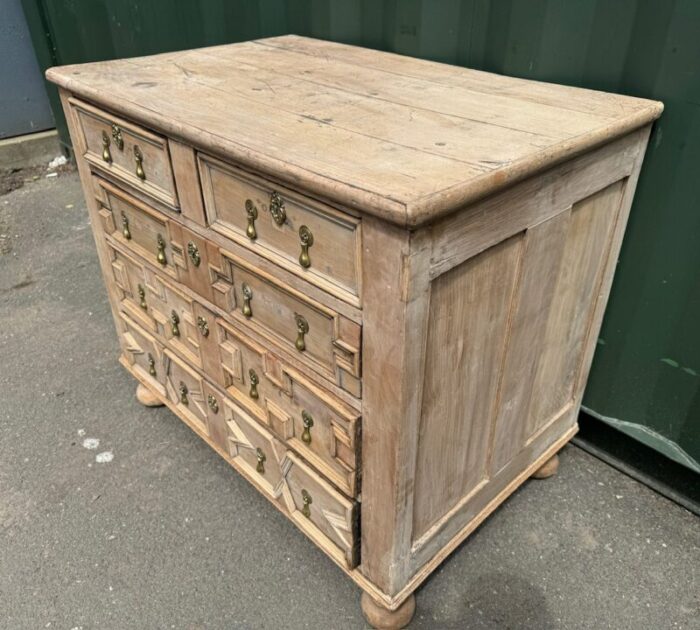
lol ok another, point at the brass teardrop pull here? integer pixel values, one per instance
(142, 297)
(308, 423)
(106, 155)
(261, 461)
(252, 214)
(277, 210)
(254, 382)
(247, 297)
(174, 324)
(117, 136)
(151, 365)
(307, 240)
(183, 394)
(213, 403)
(193, 252)
(126, 232)
(138, 158)
(160, 257)
(302, 330)
(306, 498)
(203, 326)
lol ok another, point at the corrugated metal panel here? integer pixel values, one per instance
(24, 107)
(646, 373)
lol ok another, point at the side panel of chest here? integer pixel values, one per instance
(494, 320)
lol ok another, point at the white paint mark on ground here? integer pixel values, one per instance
(91, 443)
(81, 432)
(104, 457)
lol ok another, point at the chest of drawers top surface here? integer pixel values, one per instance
(401, 138)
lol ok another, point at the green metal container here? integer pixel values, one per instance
(646, 373)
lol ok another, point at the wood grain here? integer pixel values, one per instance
(469, 308)
(184, 165)
(585, 252)
(538, 274)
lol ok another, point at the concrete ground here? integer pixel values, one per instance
(166, 535)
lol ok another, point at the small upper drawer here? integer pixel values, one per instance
(128, 152)
(312, 240)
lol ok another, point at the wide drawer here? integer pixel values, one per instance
(310, 420)
(311, 332)
(126, 151)
(310, 239)
(324, 514)
(155, 237)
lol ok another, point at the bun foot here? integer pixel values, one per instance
(384, 619)
(146, 397)
(548, 469)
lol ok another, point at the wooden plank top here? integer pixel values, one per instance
(401, 138)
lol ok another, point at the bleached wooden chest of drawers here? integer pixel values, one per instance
(367, 281)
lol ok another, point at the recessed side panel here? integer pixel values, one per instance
(505, 347)
(543, 250)
(579, 284)
(468, 321)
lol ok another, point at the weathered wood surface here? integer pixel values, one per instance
(404, 139)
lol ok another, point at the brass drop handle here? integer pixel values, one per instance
(117, 136)
(308, 423)
(302, 330)
(193, 252)
(261, 461)
(142, 297)
(183, 394)
(254, 382)
(138, 158)
(252, 214)
(151, 365)
(160, 257)
(106, 155)
(174, 324)
(247, 297)
(126, 232)
(213, 403)
(307, 240)
(306, 498)
(277, 210)
(203, 326)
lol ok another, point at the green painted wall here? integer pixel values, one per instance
(646, 373)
